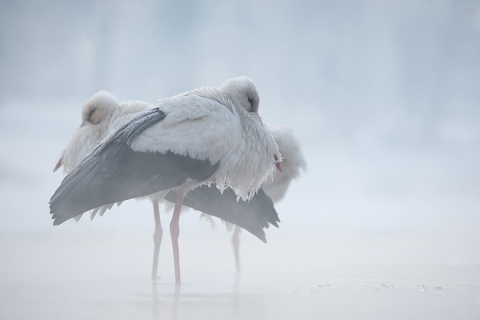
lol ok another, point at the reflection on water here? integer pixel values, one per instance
(160, 301)
(199, 300)
(73, 277)
(247, 297)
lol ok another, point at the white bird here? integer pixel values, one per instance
(292, 162)
(276, 187)
(201, 137)
(103, 113)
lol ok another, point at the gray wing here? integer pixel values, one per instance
(113, 172)
(253, 215)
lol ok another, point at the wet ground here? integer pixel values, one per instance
(107, 276)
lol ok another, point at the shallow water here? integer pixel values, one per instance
(106, 276)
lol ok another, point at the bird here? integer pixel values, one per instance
(101, 114)
(201, 137)
(292, 162)
(276, 187)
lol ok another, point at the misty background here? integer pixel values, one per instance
(382, 95)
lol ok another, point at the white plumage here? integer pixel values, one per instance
(221, 126)
(101, 115)
(200, 137)
(292, 162)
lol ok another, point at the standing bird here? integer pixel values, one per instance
(292, 162)
(276, 187)
(201, 137)
(101, 115)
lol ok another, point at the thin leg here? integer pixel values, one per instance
(236, 245)
(174, 232)
(157, 238)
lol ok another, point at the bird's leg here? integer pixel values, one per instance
(174, 232)
(236, 245)
(157, 238)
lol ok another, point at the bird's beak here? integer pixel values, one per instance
(277, 163)
(59, 164)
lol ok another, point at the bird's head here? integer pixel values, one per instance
(243, 92)
(98, 108)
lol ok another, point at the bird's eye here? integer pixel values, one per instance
(250, 100)
(90, 114)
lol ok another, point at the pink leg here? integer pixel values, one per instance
(157, 238)
(174, 232)
(236, 245)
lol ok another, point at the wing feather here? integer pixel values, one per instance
(114, 172)
(253, 215)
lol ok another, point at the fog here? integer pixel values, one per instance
(383, 97)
